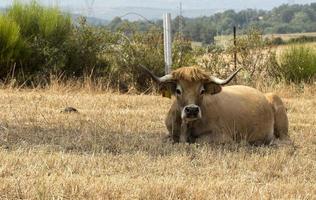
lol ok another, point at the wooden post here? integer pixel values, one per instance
(167, 42)
(235, 50)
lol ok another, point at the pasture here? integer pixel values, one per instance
(227, 40)
(288, 36)
(113, 149)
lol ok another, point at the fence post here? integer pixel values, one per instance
(167, 41)
(235, 50)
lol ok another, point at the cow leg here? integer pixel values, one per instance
(281, 123)
(173, 124)
(174, 132)
(187, 132)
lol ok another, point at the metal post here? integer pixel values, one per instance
(180, 34)
(167, 41)
(180, 22)
(235, 50)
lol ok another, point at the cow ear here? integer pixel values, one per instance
(212, 88)
(167, 89)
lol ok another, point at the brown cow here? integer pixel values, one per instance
(205, 111)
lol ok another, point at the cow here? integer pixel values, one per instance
(206, 111)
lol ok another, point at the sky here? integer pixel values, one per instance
(187, 4)
(110, 8)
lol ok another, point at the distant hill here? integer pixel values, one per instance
(92, 20)
(280, 20)
(154, 9)
(194, 4)
(149, 13)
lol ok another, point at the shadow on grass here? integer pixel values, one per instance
(89, 140)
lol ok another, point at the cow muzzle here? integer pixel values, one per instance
(191, 112)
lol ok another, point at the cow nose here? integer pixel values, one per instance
(192, 110)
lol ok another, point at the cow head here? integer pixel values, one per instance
(189, 85)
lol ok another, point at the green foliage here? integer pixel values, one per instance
(183, 53)
(38, 41)
(10, 40)
(38, 21)
(56, 46)
(297, 64)
(12, 46)
(84, 50)
(45, 31)
(128, 53)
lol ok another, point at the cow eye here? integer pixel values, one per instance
(178, 91)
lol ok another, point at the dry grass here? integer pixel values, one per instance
(227, 40)
(112, 149)
(289, 36)
(279, 49)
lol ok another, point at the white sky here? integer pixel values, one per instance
(187, 4)
(107, 9)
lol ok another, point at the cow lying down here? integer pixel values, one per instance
(205, 111)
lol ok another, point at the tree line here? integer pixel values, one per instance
(283, 19)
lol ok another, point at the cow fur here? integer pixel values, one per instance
(231, 113)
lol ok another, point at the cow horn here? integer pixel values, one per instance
(163, 79)
(224, 82)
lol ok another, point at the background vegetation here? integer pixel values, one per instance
(283, 19)
(40, 44)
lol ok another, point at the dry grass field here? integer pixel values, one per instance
(227, 40)
(113, 149)
(279, 49)
(289, 36)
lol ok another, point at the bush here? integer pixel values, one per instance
(144, 48)
(128, 53)
(182, 52)
(85, 50)
(12, 45)
(45, 31)
(47, 23)
(297, 64)
(253, 54)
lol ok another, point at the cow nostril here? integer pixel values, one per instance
(187, 110)
(195, 110)
(191, 110)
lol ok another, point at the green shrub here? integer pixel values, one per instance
(45, 31)
(48, 23)
(86, 50)
(297, 64)
(11, 44)
(133, 49)
(183, 53)
(128, 53)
